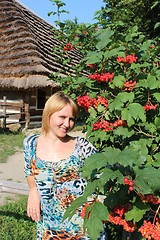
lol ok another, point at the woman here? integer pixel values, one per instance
(52, 166)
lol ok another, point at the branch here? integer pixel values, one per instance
(139, 131)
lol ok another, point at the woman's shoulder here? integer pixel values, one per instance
(85, 146)
(84, 141)
(29, 140)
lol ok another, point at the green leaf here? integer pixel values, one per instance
(107, 115)
(114, 52)
(118, 81)
(92, 112)
(72, 208)
(157, 96)
(137, 212)
(95, 57)
(101, 108)
(150, 127)
(93, 162)
(142, 186)
(136, 111)
(94, 224)
(150, 176)
(125, 132)
(81, 80)
(157, 25)
(128, 157)
(119, 101)
(156, 163)
(90, 188)
(110, 155)
(152, 83)
(104, 38)
(141, 146)
(108, 174)
(126, 97)
(157, 121)
(155, 4)
(127, 116)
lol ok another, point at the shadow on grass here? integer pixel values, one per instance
(15, 215)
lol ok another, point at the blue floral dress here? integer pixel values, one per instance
(58, 184)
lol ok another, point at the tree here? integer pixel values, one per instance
(120, 101)
(144, 14)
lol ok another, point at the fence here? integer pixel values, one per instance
(13, 111)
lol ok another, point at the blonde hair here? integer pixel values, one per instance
(55, 103)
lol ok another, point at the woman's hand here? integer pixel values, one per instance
(33, 206)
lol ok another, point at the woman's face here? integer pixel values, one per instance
(61, 122)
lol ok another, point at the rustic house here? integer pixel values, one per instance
(26, 61)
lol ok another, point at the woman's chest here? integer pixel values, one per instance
(54, 152)
(61, 171)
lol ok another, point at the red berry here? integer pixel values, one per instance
(131, 188)
(130, 183)
(126, 180)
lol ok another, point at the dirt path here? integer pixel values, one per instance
(13, 170)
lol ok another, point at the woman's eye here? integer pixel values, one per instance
(72, 119)
(62, 117)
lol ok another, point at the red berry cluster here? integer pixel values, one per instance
(86, 102)
(103, 77)
(150, 198)
(117, 220)
(119, 123)
(129, 85)
(149, 106)
(121, 210)
(128, 59)
(107, 126)
(150, 231)
(129, 182)
(68, 47)
(103, 125)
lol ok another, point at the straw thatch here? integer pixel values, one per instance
(26, 43)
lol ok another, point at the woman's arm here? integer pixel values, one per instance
(33, 206)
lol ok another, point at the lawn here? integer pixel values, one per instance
(10, 142)
(14, 221)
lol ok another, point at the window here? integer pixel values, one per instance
(41, 98)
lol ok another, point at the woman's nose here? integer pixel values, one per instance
(66, 122)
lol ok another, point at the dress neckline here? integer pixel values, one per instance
(50, 162)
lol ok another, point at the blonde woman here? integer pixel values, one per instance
(52, 166)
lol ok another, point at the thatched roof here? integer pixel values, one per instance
(26, 43)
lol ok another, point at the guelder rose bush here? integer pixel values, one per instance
(119, 99)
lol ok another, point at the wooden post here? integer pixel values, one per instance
(4, 111)
(27, 115)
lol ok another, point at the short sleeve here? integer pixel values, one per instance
(28, 153)
(86, 148)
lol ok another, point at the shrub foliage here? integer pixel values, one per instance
(119, 101)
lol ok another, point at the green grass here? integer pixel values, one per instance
(15, 225)
(10, 142)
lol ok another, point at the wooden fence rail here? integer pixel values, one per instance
(12, 112)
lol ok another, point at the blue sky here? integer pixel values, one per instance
(82, 9)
